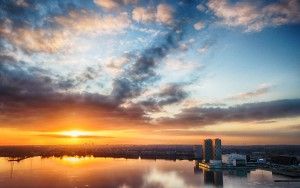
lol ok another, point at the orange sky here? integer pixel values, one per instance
(76, 130)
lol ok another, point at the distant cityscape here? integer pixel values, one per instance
(210, 154)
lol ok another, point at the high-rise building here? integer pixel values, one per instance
(212, 150)
(217, 149)
(207, 150)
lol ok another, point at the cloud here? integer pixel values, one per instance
(179, 66)
(34, 40)
(163, 14)
(52, 40)
(206, 46)
(20, 80)
(108, 4)
(32, 94)
(167, 95)
(203, 49)
(22, 3)
(115, 66)
(141, 14)
(290, 131)
(239, 113)
(45, 93)
(201, 7)
(261, 90)
(113, 4)
(91, 23)
(254, 18)
(32, 89)
(199, 25)
(142, 71)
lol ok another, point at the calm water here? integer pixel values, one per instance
(121, 173)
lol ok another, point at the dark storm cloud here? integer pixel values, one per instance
(239, 113)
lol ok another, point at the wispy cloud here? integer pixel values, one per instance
(252, 17)
(113, 4)
(261, 90)
(91, 23)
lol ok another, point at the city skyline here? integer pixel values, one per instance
(149, 72)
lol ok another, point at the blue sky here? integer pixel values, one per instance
(161, 63)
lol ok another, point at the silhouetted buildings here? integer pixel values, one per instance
(207, 150)
(197, 152)
(236, 160)
(217, 149)
(284, 160)
(212, 153)
(212, 150)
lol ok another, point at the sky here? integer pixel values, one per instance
(149, 72)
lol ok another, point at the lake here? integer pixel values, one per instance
(126, 173)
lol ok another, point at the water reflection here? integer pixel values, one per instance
(11, 169)
(169, 179)
(211, 177)
(125, 173)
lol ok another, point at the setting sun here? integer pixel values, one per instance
(74, 133)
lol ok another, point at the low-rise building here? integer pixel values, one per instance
(236, 160)
(197, 151)
(215, 163)
(284, 160)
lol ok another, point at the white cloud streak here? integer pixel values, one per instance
(254, 18)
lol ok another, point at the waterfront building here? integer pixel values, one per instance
(261, 161)
(215, 163)
(236, 159)
(217, 149)
(207, 150)
(257, 157)
(212, 151)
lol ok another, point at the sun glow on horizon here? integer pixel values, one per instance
(74, 133)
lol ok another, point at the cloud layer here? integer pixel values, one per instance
(127, 61)
(239, 113)
(253, 18)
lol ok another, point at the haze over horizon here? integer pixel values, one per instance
(149, 72)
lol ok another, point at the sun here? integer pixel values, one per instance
(74, 133)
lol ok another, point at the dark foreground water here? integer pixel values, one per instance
(126, 173)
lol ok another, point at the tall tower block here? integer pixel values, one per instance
(217, 149)
(207, 150)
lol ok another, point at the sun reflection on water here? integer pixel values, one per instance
(74, 160)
